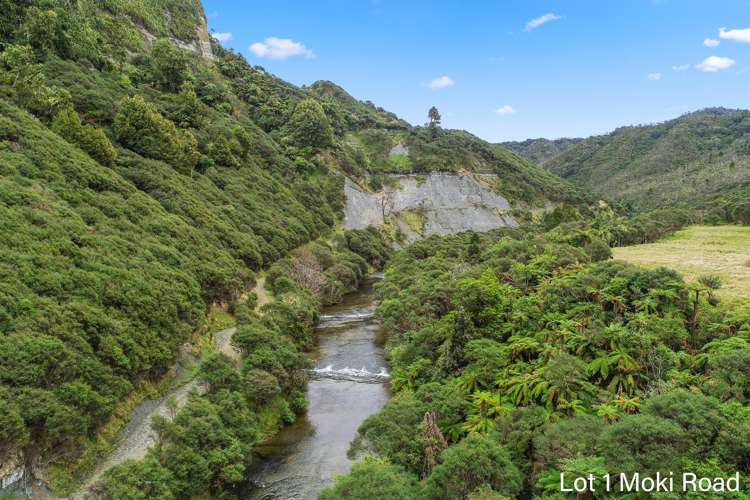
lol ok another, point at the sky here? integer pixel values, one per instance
(510, 69)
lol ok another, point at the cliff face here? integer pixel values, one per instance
(435, 204)
(198, 41)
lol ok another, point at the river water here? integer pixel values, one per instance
(349, 383)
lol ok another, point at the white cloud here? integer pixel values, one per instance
(441, 83)
(654, 76)
(711, 42)
(280, 48)
(535, 23)
(505, 110)
(681, 67)
(742, 35)
(714, 63)
(222, 37)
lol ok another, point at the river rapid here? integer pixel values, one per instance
(349, 383)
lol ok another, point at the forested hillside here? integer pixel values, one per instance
(689, 159)
(518, 355)
(540, 150)
(147, 173)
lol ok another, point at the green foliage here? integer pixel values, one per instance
(330, 271)
(139, 480)
(169, 65)
(92, 140)
(434, 116)
(536, 353)
(474, 462)
(140, 127)
(373, 479)
(22, 78)
(540, 150)
(687, 159)
(309, 127)
(189, 110)
(106, 272)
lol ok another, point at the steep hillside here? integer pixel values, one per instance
(146, 173)
(682, 160)
(540, 150)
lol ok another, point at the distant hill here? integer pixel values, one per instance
(693, 157)
(540, 150)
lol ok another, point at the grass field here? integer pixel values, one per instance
(696, 250)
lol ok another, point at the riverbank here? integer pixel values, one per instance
(137, 436)
(349, 383)
(259, 386)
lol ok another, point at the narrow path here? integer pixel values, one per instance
(138, 435)
(261, 292)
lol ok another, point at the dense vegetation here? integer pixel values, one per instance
(206, 448)
(696, 156)
(516, 355)
(540, 150)
(142, 182)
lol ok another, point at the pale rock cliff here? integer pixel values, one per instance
(420, 206)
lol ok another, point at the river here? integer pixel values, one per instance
(349, 383)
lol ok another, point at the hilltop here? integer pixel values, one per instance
(682, 161)
(540, 150)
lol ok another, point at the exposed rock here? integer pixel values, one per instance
(399, 149)
(201, 45)
(11, 469)
(423, 205)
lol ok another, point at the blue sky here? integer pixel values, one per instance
(506, 70)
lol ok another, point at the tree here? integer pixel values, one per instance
(373, 479)
(485, 408)
(13, 432)
(434, 115)
(220, 151)
(566, 439)
(706, 284)
(140, 127)
(218, 372)
(260, 387)
(189, 110)
(643, 443)
(307, 271)
(170, 65)
(433, 443)
(41, 30)
(137, 480)
(19, 71)
(308, 127)
(475, 461)
(92, 140)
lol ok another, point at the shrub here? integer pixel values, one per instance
(141, 128)
(92, 140)
(475, 461)
(260, 386)
(169, 65)
(309, 126)
(373, 479)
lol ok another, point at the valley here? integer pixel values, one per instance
(216, 283)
